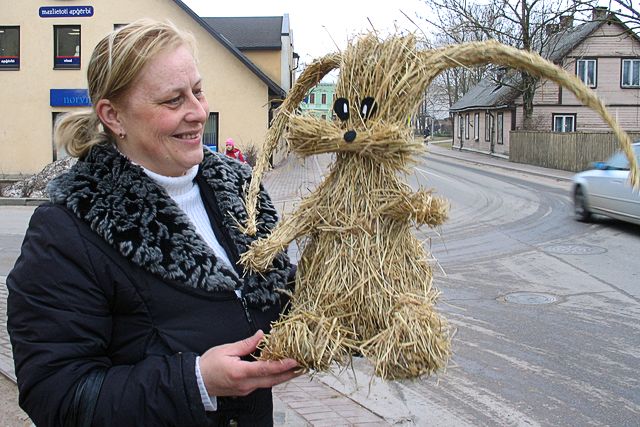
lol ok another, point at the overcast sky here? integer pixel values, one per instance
(316, 26)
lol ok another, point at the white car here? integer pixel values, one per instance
(606, 190)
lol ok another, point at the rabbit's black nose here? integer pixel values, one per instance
(350, 135)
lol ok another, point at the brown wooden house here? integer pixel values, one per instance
(604, 53)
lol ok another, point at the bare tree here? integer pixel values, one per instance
(523, 24)
(625, 10)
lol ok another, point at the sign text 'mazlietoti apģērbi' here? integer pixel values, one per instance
(65, 11)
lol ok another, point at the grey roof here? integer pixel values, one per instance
(251, 32)
(564, 41)
(274, 88)
(490, 94)
(487, 94)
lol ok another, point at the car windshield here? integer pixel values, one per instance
(618, 161)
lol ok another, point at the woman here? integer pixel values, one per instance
(127, 305)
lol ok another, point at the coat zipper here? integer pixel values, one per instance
(247, 314)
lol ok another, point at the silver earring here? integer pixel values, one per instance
(121, 135)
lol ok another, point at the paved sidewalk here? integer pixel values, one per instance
(477, 158)
(304, 401)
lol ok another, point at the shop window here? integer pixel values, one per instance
(210, 134)
(630, 73)
(66, 47)
(9, 48)
(564, 122)
(58, 152)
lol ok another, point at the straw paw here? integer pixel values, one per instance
(416, 341)
(313, 340)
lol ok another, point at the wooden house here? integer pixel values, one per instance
(604, 53)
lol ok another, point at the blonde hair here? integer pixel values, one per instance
(115, 63)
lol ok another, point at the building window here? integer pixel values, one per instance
(586, 70)
(460, 125)
(630, 73)
(564, 122)
(488, 125)
(500, 128)
(210, 134)
(66, 47)
(324, 99)
(466, 126)
(476, 126)
(312, 98)
(9, 48)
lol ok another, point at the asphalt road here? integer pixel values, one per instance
(547, 310)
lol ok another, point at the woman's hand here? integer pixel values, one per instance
(226, 374)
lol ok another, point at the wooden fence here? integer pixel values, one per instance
(565, 151)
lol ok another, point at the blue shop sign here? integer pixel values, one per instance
(9, 62)
(69, 98)
(66, 11)
(69, 61)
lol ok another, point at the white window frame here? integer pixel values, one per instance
(587, 71)
(630, 66)
(564, 118)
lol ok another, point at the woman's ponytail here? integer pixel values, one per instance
(77, 132)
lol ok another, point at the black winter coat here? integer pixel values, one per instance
(114, 295)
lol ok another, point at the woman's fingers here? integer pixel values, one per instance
(225, 374)
(245, 346)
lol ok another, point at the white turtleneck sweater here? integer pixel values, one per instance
(186, 193)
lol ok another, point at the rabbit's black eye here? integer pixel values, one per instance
(341, 108)
(368, 107)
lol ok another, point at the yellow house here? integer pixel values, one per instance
(45, 48)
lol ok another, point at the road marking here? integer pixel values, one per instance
(426, 172)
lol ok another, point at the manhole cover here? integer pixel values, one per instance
(575, 249)
(530, 298)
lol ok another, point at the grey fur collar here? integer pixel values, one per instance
(135, 216)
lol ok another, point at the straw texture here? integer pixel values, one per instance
(364, 282)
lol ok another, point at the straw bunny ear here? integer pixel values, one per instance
(479, 53)
(310, 77)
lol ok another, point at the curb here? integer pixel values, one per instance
(545, 172)
(21, 201)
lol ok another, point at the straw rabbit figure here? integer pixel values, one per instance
(364, 282)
